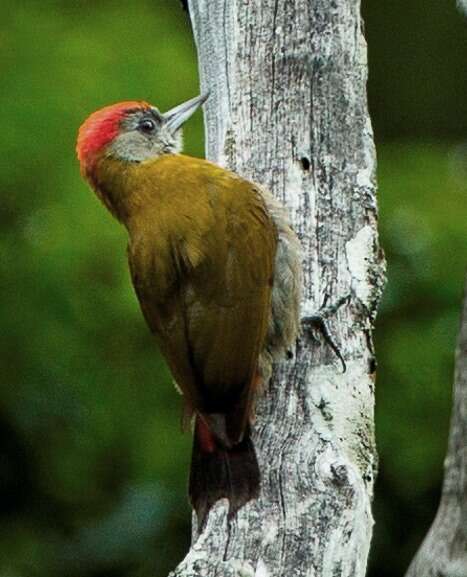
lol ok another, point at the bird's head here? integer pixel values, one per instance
(132, 131)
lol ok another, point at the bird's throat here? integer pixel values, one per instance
(121, 186)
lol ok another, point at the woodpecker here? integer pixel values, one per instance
(216, 268)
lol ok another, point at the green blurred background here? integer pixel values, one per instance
(92, 462)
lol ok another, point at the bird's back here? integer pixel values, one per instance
(207, 235)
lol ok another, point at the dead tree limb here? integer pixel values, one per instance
(443, 553)
(288, 109)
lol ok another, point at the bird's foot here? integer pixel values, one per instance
(317, 323)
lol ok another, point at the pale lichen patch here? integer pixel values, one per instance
(270, 531)
(261, 569)
(360, 255)
(349, 411)
(242, 568)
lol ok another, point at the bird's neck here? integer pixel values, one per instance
(123, 186)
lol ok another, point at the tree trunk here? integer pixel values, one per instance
(288, 109)
(444, 550)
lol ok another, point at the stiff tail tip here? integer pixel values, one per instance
(219, 472)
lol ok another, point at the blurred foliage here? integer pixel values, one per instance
(422, 200)
(418, 51)
(93, 464)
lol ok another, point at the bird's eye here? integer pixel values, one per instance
(147, 125)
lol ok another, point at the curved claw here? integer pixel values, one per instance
(318, 322)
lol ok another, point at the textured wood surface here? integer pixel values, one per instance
(288, 109)
(444, 550)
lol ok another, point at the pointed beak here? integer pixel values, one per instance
(175, 117)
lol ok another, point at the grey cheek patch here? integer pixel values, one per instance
(132, 146)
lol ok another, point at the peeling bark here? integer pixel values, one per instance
(288, 109)
(443, 553)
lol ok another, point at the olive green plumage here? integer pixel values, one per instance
(217, 271)
(201, 254)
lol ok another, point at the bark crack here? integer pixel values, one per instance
(273, 56)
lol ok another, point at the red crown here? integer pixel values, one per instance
(100, 128)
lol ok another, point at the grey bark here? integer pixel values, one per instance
(443, 553)
(288, 109)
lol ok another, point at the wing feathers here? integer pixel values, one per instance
(216, 242)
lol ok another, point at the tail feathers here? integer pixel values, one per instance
(227, 429)
(220, 472)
